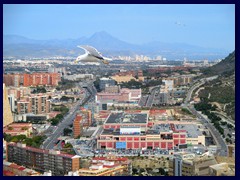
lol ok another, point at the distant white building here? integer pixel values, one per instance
(169, 84)
(75, 77)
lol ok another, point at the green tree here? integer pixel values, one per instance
(67, 131)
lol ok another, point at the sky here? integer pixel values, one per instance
(203, 25)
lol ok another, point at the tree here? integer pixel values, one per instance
(67, 131)
(134, 170)
(54, 121)
(10, 128)
(59, 116)
(24, 128)
(229, 126)
(161, 171)
(7, 137)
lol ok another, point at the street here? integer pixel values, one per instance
(223, 150)
(67, 120)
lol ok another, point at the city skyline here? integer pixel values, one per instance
(201, 25)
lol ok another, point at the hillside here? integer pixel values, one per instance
(221, 91)
(226, 67)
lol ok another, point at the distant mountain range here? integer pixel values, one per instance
(20, 47)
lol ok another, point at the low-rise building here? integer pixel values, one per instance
(222, 169)
(18, 129)
(75, 77)
(106, 166)
(132, 95)
(187, 164)
(17, 170)
(103, 82)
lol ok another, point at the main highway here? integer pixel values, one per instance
(151, 97)
(222, 146)
(67, 120)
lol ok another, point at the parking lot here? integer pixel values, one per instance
(131, 152)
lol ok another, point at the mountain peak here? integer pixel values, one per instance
(102, 34)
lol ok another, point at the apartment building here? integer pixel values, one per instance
(35, 103)
(42, 160)
(34, 79)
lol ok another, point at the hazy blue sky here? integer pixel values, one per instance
(205, 25)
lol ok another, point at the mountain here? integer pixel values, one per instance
(226, 67)
(19, 46)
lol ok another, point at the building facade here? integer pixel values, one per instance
(34, 79)
(42, 160)
(190, 165)
(125, 94)
(35, 103)
(103, 82)
(7, 113)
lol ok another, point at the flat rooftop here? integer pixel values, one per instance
(123, 118)
(116, 132)
(192, 130)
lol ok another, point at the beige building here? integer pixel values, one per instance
(184, 164)
(35, 103)
(17, 170)
(222, 169)
(7, 113)
(196, 140)
(125, 78)
(99, 170)
(112, 89)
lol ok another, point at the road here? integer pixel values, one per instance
(190, 91)
(151, 97)
(223, 150)
(67, 120)
(197, 85)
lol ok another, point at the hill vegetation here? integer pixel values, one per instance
(222, 89)
(224, 68)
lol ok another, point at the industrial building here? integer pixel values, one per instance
(135, 131)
